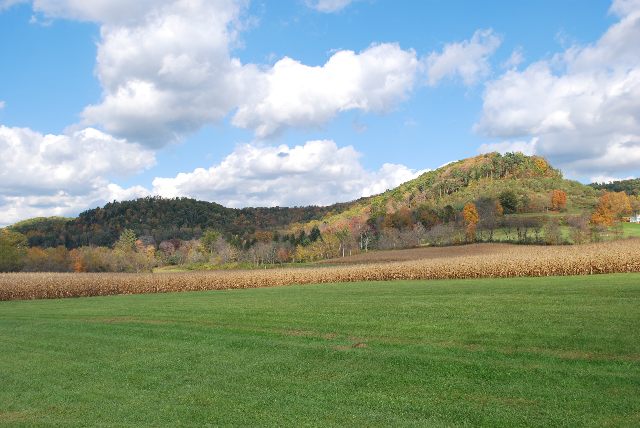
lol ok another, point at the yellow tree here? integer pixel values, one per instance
(611, 207)
(471, 218)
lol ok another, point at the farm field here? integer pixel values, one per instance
(475, 261)
(552, 351)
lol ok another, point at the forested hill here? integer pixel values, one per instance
(522, 184)
(630, 187)
(159, 219)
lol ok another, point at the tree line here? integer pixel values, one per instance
(485, 219)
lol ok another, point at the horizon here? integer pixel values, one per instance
(305, 102)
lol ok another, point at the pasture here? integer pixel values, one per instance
(553, 351)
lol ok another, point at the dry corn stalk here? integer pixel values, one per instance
(610, 257)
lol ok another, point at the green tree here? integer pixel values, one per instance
(315, 234)
(209, 239)
(13, 250)
(127, 242)
(509, 201)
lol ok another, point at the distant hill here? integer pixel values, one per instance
(161, 218)
(529, 179)
(630, 187)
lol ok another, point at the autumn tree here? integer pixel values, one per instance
(558, 200)
(611, 207)
(13, 249)
(471, 218)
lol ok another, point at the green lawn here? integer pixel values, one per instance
(631, 229)
(512, 352)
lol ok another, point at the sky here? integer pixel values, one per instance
(299, 102)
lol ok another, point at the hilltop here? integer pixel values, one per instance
(528, 181)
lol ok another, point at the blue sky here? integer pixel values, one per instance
(303, 102)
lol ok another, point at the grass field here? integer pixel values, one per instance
(494, 352)
(631, 230)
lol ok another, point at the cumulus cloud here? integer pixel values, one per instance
(526, 147)
(63, 174)
(582, 106)
(168, 72)
(328, 6)
(167, 69)
(467, 60)
(293, 94)
(318, 172)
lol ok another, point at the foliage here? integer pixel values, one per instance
(558, 200)
(162, 219)
(611, 207)
(13, 249)
(630, 187)
(471, 218)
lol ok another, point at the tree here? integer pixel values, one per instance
(209, 239)
(558, 200)
(13, 250)
(509, 201)
(489, 212)
(611, 207)
(471, 218)
(315, 234)
(127, 242)
(343, 236)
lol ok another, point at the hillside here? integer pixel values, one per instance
(630, 187)
(445, 191)
(158, 219)
(439, 194)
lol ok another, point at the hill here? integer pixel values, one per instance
(521, 183)
(630, 187)
(157, 219)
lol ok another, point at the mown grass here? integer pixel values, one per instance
(508, 352)
(631, 230)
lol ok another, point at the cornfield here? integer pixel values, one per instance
(519, 261)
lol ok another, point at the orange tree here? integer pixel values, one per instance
(558, 200)
(471, 218)
(611, 207)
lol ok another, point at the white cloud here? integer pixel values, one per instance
(169, 72)
(63, 174)
(526, 147)
(468, 60)
(166, 68)
(328, 6)
(318, 172)
(293, 94)
(103, 11)
(6, 4)
(515, 59)
(582, 106)
(2, 104)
